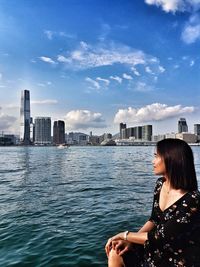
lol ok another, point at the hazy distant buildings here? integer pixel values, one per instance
(159, 137)
(138, 133)
(43, 130)
(187, 137)
(25, 118)
(59, 132)
(76, 138)
(182, 126)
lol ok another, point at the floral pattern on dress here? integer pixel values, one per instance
(175, 239)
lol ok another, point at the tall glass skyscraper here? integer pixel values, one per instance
(25, 117)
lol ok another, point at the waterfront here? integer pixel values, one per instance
(59, 206)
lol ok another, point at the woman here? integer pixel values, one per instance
(171, 237)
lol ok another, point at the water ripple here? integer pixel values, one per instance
(58, 207)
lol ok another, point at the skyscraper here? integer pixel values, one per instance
(25, 118)
(59, 132)
(197, 129)
(147, 132)
(182, 126)
(43, 130)
(121, 127)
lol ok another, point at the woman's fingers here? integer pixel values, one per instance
(123, 251)
(108, 246)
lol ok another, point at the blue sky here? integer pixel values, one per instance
(96, 63)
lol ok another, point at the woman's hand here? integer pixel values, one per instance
(121, 246)
(117, 242)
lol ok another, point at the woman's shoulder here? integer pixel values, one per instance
(195, 194)
(160, 181)
(159, 184)
(194, 198)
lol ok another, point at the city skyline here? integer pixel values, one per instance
(98, 63)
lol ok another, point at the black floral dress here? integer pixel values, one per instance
(175, 239)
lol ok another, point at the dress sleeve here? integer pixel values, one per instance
(177, 224)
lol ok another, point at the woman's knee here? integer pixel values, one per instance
(114, 260)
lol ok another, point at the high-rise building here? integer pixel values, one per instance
(182, 126)
(197, 129)
(59, 132)
(147, 132)
(43, 130)
(121, 127)
(138, 132)
(25, 118)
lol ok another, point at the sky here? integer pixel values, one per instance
(96, 63)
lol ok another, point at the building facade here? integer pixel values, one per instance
(182, 126)
(59, 132)
(187, 137)
(42, 130)
(76, 138)
(137, 133)
(197, 129)
(25, 118)
(122, 127)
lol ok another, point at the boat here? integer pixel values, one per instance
(61, 146)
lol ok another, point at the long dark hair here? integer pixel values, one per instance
(179, 163)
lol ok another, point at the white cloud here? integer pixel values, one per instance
(116, 78)
(192, 63)
(135, 71)
(153, 112)
(142, 87)
(177, 66)
(176, 5)
(44, 102)
(12, 106)
(49, 34)
(84, 45)
(148, 70)
(127, 77)
(84, 119)
(94, 83)
(48, 83)
(107, 82)
(105, 29)
(167, 5)
(161, 69)
(47, 60)
(41, 84)
(191, 33)
(87, 56)
(63, 59)
(1, 75)
(6, 121)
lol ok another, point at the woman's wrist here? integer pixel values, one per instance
(126, 235)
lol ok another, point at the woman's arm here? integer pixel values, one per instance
(139, 237)
(148, 226)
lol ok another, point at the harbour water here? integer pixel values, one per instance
(59, 206)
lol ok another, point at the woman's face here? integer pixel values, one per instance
(158, 165)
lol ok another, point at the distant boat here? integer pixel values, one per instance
(61, 146)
